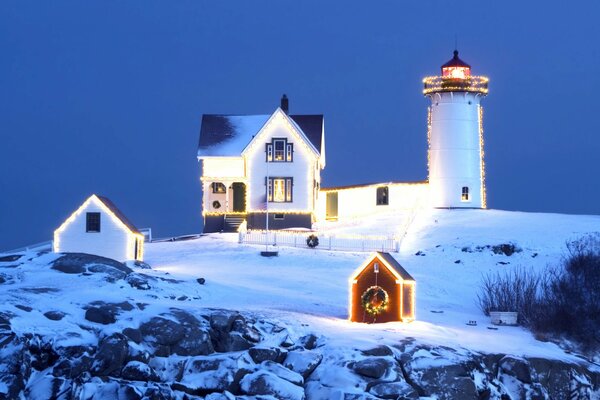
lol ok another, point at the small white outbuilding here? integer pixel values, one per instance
(99, 227)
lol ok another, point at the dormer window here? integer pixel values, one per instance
(279, 150)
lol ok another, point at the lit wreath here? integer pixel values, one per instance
(375, 300)
(312, 241)
(216, 204)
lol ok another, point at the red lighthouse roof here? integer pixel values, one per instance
(456, 68)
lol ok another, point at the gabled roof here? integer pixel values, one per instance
(228, 135)
(109, 205)
(390, 262)
(113, 208)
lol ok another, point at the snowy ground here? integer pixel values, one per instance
(311, 286)
(307, 290)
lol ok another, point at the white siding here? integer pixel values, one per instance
(223, 167)
(113, 241)
(303, 169)
(362, 201)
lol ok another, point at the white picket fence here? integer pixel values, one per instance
(326, 241)
(43, 246)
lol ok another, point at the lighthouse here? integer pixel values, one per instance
(455, 136)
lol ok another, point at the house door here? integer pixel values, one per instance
(239, 197)
(332, 206)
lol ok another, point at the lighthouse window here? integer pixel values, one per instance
(465, 194)
(382, 196)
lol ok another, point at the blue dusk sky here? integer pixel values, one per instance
(107, 96)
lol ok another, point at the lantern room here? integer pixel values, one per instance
(456, 68)
(381, 290)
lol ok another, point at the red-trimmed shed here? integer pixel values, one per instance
(381, 270)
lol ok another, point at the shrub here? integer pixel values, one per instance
(511, 291)
(569, 303)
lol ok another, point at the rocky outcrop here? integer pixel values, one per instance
(224, 355)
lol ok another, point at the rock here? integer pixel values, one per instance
(72, 368)
(302, 362)
(133, 334)
(287, 342)
(201, 281)
(111, 355)
(230, 332)
(100, 315)
(282, 372)
(24, 308)
(10, 258)
(48, 387)
(162, 331)
(554, 375)
(138, 371)
(371, 367)
(77, 263)
(446, 382)
(378, 351)
(394, 390)
(54, 315)
(207, 374)
(42, 353)
(260, 354)
(309, 342)
(220, 396)
(516, 367)
(265, 383)
(195, 342)
(138, 281)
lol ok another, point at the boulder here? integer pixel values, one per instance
(394, 390)
(133, 334)
(203, 375)
(162, 331)
(54, 315)
(195, 342)
(282, 372)
(138, 281)
(230, 332)
(268, 384)
(309, 342)
(303, 362)
(378, 351)
(77, 263)
(371, 367)
(260, 354)
(138, 371)
(100, 315)
(111, 355)
(515, 367)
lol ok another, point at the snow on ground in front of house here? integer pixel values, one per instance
(307, 290)
(304, 286)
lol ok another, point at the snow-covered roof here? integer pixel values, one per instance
(228, 135)
(118, 213)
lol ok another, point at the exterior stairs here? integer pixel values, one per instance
(232, 222)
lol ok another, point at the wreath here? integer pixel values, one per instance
(375, 300)
(216, 204)
(312, 241)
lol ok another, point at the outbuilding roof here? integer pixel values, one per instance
(113, 208)
(392, 263)
(228, 135)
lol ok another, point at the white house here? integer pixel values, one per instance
(99, 227)
(252, 164)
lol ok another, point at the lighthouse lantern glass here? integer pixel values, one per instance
(456, 72)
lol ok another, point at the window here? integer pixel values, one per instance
(465, 194)
(279, 150)
(280, 190)
(279, 216)
(92, 222)
(382, 196)
(218, 187)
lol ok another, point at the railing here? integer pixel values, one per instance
(326, 241)
(475, 84)
(43, 246)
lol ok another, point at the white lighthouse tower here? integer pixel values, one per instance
(455, 136)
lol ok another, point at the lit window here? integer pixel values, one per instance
(218, 187)
(279, 150)
(92, 222)
(279, 146)
(465, 194)
(280, 190)
(382, 196)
